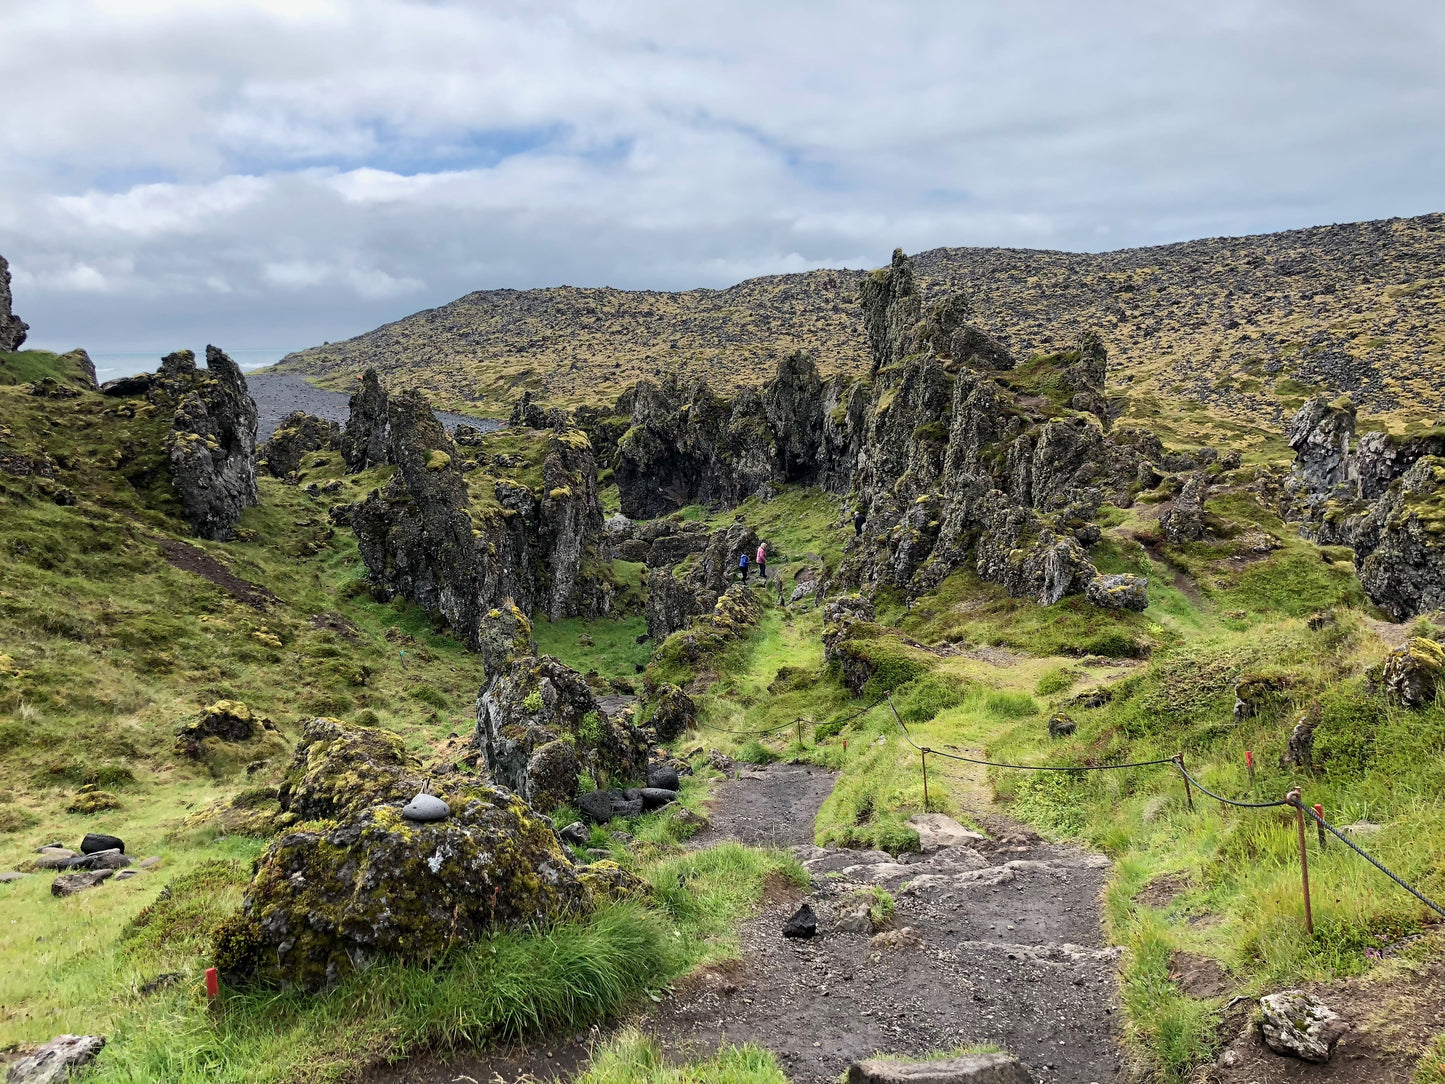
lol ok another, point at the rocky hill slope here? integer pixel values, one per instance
(1243, 328)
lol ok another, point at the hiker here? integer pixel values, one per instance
(743, 567)
(762, 560)
(858, 520)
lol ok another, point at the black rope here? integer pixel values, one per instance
(1221, 798)
(1021, 767)
(1374, 861)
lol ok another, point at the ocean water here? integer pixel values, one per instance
(113, 365)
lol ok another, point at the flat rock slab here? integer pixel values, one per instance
(52, 1063)
(68, 884)
(968, 1069)
(937, 830)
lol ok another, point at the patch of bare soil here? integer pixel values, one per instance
(767, 807)
(1393, 634)
(1392, 1023)
(335, 622)
(196, 561)
(1199, 976)
(1161, 891)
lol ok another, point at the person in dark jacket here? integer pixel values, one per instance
(743, 567)
(859, 518)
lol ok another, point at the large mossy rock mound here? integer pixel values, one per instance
(338, 769)
(325, 903)
(298, 434)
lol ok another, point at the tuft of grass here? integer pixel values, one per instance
(632, 1058)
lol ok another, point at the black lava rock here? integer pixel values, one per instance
(662, 776)
(656, 797)
(804, 923)
(576, 834)
(96, 841)
(596, 806)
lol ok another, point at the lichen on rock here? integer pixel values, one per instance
(338, 769)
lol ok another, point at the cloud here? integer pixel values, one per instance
(278, 173)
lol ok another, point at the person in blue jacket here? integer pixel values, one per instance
(743, 566)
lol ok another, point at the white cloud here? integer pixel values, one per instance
(312, 168)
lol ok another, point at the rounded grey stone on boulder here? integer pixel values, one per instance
(426, 807)
(968, 1069)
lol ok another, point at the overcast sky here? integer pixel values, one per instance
(274, 173)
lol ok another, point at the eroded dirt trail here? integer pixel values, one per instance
(995, 940)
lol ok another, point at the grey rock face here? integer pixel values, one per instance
(1382, 498)
(212, 442)
(539, 724)
(939, 454)
(1414, 672)
(1184, 522)
(12, 328)
(364, 441)
(672, 603)
(675, 712)
(419, 539)
(296, 435)
(1298, 1024)
(54, 1062)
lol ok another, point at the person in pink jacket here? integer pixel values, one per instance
(762, 560)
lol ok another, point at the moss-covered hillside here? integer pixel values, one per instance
(1206, 333)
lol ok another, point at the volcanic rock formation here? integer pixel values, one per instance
(12, 328)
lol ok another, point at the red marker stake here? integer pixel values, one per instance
(213, 983)
(1249, 763)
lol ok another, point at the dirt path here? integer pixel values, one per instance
(1005, 948)
(995, 941)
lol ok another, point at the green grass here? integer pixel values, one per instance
(27, 366)
(632, 1058)
(614, 651)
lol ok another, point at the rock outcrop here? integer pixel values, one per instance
(958, 456)
(674, 600)
(328, 901)
(298, 434)
(364, 441)
(539, 725)
(1382, 495)
(212, 442)
(429, 537)
(12, 328)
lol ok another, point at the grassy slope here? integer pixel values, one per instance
(105, 648)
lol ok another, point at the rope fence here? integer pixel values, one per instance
(1293, 799)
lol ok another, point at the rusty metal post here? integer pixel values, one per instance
(799, 723)
(1320, 823)
(923, 754)
(1249, 763)
(1188, 790)
(1293, 798)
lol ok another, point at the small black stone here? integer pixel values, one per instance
(662, 777)
(804, 923)
(596, 806)
(96, 841)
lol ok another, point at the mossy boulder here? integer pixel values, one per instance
(223, 721)
(325, 903)
(674, 714)
(538, 701)
(1061, 725)
(338, 769)
(1414, 672)
(298, 434)
(1120, 592)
